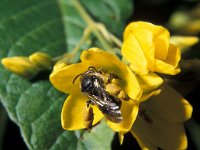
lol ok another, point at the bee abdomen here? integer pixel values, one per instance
(115, 117)
(115, 114)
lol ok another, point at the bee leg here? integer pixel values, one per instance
(123, 96)
(89, 102)
(88, 117)
(114, 76)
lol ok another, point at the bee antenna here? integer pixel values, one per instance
(76, 77)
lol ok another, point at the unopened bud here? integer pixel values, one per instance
(20, 65)
(184, 42)
(41, 60)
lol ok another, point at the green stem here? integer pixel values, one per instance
(91, 24)
(86, 34)
(97, 29)
(116, 40)
(71, 55)
(111, 37)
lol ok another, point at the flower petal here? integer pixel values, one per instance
(72, 112)
(161, 133)
(59, 66)
(163, 67)
(149, 81)
(62, 77)
(169, 105)
(102, 57)
(161, 41)
(99, 58)
(144, 143)
(133, 52)
(160, 34)
(131, 84)
(145, 40)
(146, 96)
(110, 63)
(171, 62)
(174, 55)
(129, 111)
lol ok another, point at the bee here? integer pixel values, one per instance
(92, 86)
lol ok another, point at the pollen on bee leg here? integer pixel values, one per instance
(113, 77)
(105, 78)
(115, 81)
(113, 89)
(88, 116)
(122, 95)
(109, 78)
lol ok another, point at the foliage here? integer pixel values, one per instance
(54, 27)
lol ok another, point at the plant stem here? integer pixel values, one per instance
(98, 29)
(108, 35)
(91, 25)
(86, 34)
(71, 55)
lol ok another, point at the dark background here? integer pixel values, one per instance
(157, 12)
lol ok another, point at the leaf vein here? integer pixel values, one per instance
(24, 11)
(31, 32)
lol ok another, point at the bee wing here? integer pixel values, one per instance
(106, 103)
(108, 107)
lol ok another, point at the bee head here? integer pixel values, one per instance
(90, 70)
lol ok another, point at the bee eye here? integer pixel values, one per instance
(86, 81)
(87, 84)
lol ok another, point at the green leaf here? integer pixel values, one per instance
(98, 138)
(111, 13)
(54, 27)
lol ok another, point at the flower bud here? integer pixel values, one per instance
(20, 65)
(184, 42)
(41, 60)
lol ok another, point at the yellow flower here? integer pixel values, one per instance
(72, 116)
(20, 65)
(186, 22)
(184, 42)
(160, 121)
(147, 48)
(28, 67)
(41, 60)
(150, 84)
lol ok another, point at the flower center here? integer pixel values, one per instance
(114, 89)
